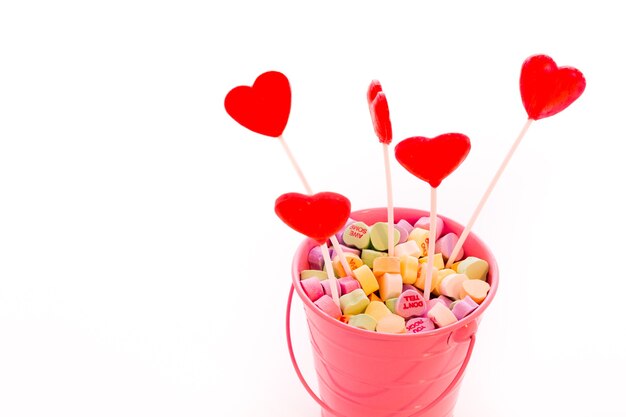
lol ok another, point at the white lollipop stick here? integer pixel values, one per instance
(331, 275)
(307, 187)
(431, 242)
(472, 220)
(390, 220)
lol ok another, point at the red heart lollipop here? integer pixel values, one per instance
(379, 111)
(434, 159)
(264, 107)
(318, 216)
(547, 89)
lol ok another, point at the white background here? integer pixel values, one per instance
(142, 268)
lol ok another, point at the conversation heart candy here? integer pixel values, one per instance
(312, 288)
(424, 223)
(378, 236)
(451, 285)
(475, 289)
(473, 267)
(391, 324)
(348, 284)
(366, 278)
(328, 306)
(377, 309)
(419, 324)
(390, 286)
(441, 315)
(445, 245)
(410, 304)
(462, 308)
(354, 302)
(363, 321)
(357, 234)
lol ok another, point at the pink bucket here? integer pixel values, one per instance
(368, 374)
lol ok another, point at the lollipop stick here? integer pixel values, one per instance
(331, 274)
(342, 257)
(390, 220)
(495, 179)
(432, 233)
(307, 187)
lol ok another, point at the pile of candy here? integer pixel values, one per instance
(385, 293)
(394, 277)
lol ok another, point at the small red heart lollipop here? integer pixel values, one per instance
(547, 89)
(379, 111)
(434, 159)
(318, 216)
(264, 107)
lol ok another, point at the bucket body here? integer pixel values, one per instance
(367, 374)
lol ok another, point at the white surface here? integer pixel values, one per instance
(142, 269)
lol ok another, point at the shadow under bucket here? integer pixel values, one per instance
(369, 374)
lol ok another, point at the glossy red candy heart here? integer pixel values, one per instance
(263, 108)
(434, 159)
(318, 216)
(379, 111)
(547, 89)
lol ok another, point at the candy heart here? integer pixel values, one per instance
(433, 159)
(317, 216)
(264, 107)
(379, 111)
(547, 89)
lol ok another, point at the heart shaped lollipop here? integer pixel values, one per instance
(379, 111)
(264, 107)
(547, 89)
(318, 216)
(434, 159)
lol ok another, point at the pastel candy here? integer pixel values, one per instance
(451, 285)
(357, 234)
(445, 300)
(440, 276)
(339, 234)
(403, 224)
(312, 288)
(424, 223)
(391, 304)
(404, 234)
(353, 262)
(474, 268)
(366, 278)
(420, 236)
(421, 277)
(386, 265)
(348, 249)
(377, 309)
(368, 256)
(348, 284)
(310, 273)
(410, 304)
(378, 236)
(437, 261)
(462, 308)
(475, 289)
(391, 324)
(408, 248)
(409, 267)
(326, 286)
(419, 324)
(354, 303)
(363, 321)
(390, 286)
(445, 245)
(328, 306)
(441, 315)
(406, 287)
(316, 260)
